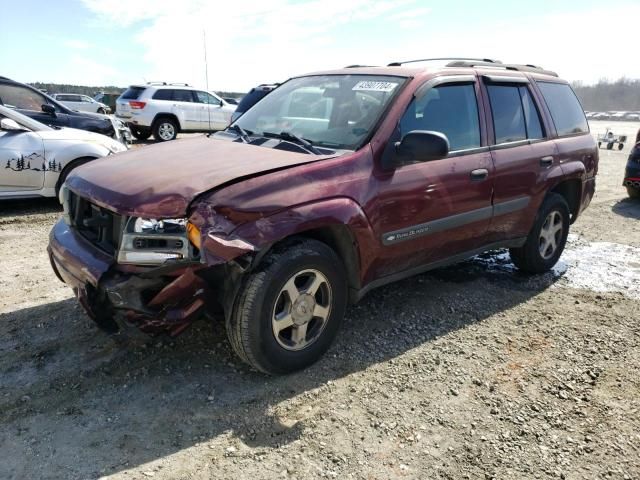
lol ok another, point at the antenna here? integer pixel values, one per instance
(206, 76)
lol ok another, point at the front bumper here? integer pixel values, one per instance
(157, 299)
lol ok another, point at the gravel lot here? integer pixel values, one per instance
(472, 371)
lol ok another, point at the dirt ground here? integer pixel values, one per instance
(473, 371)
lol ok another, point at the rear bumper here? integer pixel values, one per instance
(162, 299)
(632, 175)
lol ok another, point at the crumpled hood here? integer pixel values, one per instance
(161, 180)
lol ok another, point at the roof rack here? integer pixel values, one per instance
(507, 66)
(485, 60)
(182, 84)
(358, 66)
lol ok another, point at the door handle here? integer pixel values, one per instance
(546, 161)
(479, 174)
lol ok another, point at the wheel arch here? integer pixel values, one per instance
(69, 166)
(571, 191)
(162, 115)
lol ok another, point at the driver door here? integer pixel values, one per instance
(22, 161)
(430, 211)
(211, 114)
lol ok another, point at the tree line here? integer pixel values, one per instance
(621, 95)
(92, 91)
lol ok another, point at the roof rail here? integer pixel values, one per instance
(182, 84)
(358, 66)
(485, 60)
(507, 66)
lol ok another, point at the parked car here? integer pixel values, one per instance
(250, 99)
(41, 107)
(334, 184)
(632, 171)
(81, 103)
(109, 99)
(165, 109)
(35, 159)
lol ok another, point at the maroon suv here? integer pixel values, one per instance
(334, 184)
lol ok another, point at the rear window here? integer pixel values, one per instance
(250, 99)
(565, 109)
(132, 93)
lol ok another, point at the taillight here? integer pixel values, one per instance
(137, 105)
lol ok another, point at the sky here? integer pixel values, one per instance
(121, 42)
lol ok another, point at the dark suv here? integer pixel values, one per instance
(332, 185)
(41, 107)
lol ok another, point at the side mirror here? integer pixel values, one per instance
(49, 109)
(9, 125)
(421, 146)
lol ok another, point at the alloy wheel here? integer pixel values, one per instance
(301, 310)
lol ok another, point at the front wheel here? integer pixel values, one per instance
(289, 311)
(140, 134)
(547, 238)
(102, 111)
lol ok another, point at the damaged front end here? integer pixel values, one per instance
(157, 275)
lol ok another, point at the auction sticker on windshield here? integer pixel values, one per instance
(369, 86)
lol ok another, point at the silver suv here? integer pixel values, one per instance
(165, 109)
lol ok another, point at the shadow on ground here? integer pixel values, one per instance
(29, 206)
(628, 207)
(78, 404)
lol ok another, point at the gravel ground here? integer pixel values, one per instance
(473, 371)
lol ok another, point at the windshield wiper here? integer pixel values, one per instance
(293, 138)
(242, 133)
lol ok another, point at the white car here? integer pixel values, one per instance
(81, 103)
(35, 159)
(165, 109)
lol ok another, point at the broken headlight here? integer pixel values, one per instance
(148, 241)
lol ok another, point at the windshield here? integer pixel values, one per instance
(335, 111)
(23, 120)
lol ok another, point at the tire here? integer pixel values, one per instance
(264, 300)
(102, 111)
(633, 192)
(610, 146)
(539, 254)
(620, 146)
(165, 129)
(599, 144)
(140, 134)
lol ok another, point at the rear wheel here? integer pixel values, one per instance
(620, 146)
(547, 238)
(289, 311)
(165, 129)
(610, 146)
(633, 192)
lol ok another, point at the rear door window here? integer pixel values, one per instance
(132, 93)
(182, 96)
(450, 109)
(515, 116)
(164, 94)
(566, 111)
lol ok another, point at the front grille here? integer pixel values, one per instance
(100, 226)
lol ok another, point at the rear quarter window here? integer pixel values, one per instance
(566, 111)
(132, 93)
